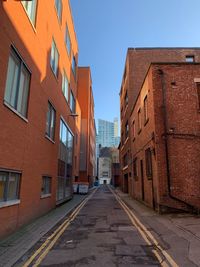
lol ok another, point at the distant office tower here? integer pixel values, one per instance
(108, 133)
(116, 134)
(105, 133)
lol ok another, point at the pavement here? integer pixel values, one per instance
(16, 245)
(178, 233)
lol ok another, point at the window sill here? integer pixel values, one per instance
(147, 120)
(47, 137)
(15, 111)
(9, 203)
(45, 196)
(126, 167)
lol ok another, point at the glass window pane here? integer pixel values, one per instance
(12, 78)
(52, 126)
(30, 9)
(3, 177)
(48, 120)
(65, 86)
(25, 93)
(13, 186)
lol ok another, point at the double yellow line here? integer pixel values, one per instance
(163, 257)
(41, 253)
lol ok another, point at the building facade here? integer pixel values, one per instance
(105, 170)
(38, 87)
(137, 63)
(165, 138)
(88, 129)
(108, 133)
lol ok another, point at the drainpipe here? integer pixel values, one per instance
(166, 142)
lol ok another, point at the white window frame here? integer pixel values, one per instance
(54, 60)
(18, 85)
(68, 41)
(65, 86)
(58, 6)
(6, 189)
(30, 8)
(50, 121)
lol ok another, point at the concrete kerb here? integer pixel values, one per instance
(17, 244)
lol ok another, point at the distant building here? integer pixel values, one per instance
(105, 174)
(88, 128)
(38, 92)
(108, 133)
(159, 148)
(105, 133)
(116, 127)
(109, 160)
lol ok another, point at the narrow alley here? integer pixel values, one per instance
(101, 234)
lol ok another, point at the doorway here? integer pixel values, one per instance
(126, 183)
(142, 179)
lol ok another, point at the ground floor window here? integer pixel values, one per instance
(148, 159)
(135, 170)
(9, 185)
(46, 185)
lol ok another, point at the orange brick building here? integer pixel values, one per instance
(38, 88)
(88, 130)
(137, 63)
(165, 138)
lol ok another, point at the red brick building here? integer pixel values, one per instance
(165, 137)
(38, 88)
(88, 131)
(136, 67)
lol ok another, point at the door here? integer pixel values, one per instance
(142, 178)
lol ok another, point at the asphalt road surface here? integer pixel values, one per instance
(100, 234)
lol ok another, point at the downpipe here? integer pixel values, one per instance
(162, 75)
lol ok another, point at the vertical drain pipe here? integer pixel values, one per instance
(160, 71)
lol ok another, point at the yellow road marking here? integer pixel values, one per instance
(48, 244)
(147, 235)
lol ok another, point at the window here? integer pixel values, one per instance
(30, 7)
(198, 94)
(65, 85)
(68, 41)
(65, 162)
(189, 58)
(46, 185)
(148, 163)
(17, 84)
(135, 170)
(50, 123)
(9, 186)
(105, 174)
(54, 58)
(125, 160)
(58, 5)
(72, 102)
(126, 99)
(74, 66)
(133, 130)
(145, 110)
(126, 130)
(139, 121)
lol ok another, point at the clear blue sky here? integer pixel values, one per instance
(106, 28)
